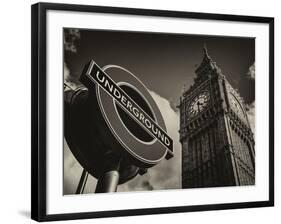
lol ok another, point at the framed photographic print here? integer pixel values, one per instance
(138, 111)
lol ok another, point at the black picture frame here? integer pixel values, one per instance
(39, 122)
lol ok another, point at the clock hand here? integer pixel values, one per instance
(199, 104)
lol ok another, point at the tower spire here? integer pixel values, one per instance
(205, 49)
(207, 66)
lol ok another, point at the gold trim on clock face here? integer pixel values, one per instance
(198, 103)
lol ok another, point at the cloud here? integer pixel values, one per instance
(247, 91)
(70, 38)
(66, 72)
(72, 173)
(69, 80)
(247, 85)
(251, 72)
(166, 174)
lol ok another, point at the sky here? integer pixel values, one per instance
(164, 63)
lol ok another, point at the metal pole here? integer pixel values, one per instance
(82, 182)
(108, 181)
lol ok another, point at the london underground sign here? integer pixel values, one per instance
(114, 118)
(98, 76)
(130, 112)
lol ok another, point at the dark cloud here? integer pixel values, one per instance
(163, 62)
(70, 39)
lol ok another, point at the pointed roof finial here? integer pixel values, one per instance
(205, 49)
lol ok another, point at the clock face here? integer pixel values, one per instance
(198, 104)
(236, 106)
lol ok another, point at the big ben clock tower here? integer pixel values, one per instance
(217, 141)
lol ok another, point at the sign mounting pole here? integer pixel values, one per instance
(82, 182)
(109, 180)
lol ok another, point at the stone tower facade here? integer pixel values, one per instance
(217, 141)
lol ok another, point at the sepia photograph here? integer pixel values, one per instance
(141, 112)
(148, 111)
